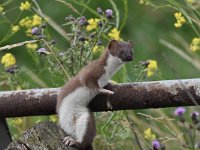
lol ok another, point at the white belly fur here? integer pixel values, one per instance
(74, 104)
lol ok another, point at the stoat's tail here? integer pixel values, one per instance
(89, 147)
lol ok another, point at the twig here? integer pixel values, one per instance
(17, 45)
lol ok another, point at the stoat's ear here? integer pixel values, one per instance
(130, 43)
(112, 44)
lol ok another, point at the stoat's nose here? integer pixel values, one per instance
(129, 58)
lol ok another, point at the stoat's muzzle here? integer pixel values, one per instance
(126, 55)
(129, 58)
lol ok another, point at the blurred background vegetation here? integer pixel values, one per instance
(150, 24)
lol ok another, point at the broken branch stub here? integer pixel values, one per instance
(141, 95)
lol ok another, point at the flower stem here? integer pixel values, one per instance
(56, 59)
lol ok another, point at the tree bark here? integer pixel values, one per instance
(42, 136)
(141, 95)
(5, 137)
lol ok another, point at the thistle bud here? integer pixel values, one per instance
(42, 51)
(100, 23)
(83, 21)
(99, 11)
(11, 69)
(99, 43)
(92, 35)
(44, 25)
(194, 117)
(82, 38)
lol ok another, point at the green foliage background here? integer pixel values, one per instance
(146, 26)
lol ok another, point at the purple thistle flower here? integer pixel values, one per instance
(35, 31)
(156, 144)
(179, 111)
(109, 13)
(42, 51)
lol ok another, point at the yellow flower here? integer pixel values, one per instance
(53, 118)
(29, 23)
(28, 32)
(18, 88)
(97, 49)
(190, 1)
(18, 121)
(149, 135)
(113, 82)
(114, 34)
(1, 9)
(195, 45)
(152, 67)
(8, 60)
(141, 2)
(37, 20)
(32, 46)
(15, 28)
(92, 24)
(146, 2)
(180, 20)
(25, 6)
(26, 22)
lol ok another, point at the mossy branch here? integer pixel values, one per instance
(141, 95)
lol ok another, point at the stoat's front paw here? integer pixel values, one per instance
(111, 82)
(69, 141)
(109, 92)
(105, 91)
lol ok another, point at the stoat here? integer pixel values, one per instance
(75, 117)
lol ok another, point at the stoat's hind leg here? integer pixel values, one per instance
(85, 129)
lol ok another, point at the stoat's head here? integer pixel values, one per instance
(122, 50)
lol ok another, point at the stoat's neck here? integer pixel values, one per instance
(111, 66)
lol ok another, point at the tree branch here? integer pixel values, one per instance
(141, 95)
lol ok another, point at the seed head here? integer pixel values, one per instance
(99, 11)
